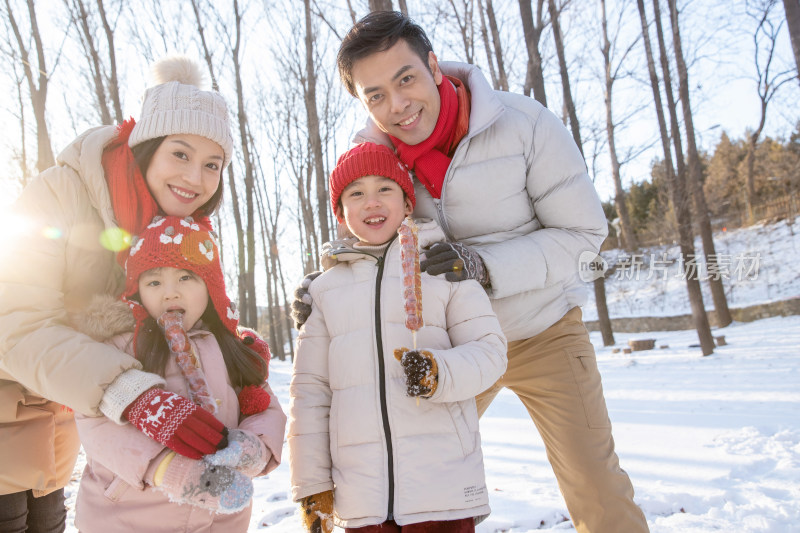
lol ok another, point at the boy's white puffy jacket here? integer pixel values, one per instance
(351, 426)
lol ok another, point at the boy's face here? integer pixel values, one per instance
(400, 92)
(373, 208)
(173, 289)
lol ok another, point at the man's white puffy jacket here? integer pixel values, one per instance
(351, 425)
(517, 191)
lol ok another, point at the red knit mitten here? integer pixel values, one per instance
(176, 423)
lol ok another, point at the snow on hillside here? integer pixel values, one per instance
(758, 264)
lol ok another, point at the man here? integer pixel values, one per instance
(509, 187)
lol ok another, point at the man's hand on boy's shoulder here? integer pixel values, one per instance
(458, 262)
(301, 305)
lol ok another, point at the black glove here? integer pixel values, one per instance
(422, 373)
(301, 305)
(456, 261)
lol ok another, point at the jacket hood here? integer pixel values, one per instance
(84, 156)
(345, 250)
(103, 318)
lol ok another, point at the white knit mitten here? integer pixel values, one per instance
(245, 453)
(196, 482)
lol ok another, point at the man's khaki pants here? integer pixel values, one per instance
(555, 375)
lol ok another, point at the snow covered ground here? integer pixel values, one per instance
(710, 443)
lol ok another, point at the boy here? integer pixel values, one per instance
(397, 464)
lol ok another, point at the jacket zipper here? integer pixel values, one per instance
(382, 383)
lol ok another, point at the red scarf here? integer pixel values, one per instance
(430, 158)
(134, 207)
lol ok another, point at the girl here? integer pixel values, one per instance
(73, 218)
(186, 331)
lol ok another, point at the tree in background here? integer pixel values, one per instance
(37, 82)
(694, 175)
(103, 78)
(627, 237)
(765, 37)
(792, 9)
(532, 31)
(599, 282)
(494, 48)
(679, 201)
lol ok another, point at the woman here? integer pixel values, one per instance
(78, 216)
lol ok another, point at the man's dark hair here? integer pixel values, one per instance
(377, 32)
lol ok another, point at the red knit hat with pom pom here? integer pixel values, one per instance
(179, 242)
(369, 159)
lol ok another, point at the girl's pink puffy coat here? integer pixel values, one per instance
(113, 494)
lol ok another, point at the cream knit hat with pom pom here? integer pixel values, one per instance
(176, 104)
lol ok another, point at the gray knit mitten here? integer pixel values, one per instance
(456, 261)
(245, 453)
(301, 305)
(217, 488)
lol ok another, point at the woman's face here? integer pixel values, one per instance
(184, 173)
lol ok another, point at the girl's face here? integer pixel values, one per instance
(173, 289)
(374, 207)
(184, 173)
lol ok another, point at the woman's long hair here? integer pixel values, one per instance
(245, 367)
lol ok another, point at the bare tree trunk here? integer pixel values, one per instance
(466, 29)
(310, 99)
(240, 255)
(695, 177)
(678, 194)
(487, 47)
(275, 326)
(502, 77)
(380, 5)
(249, 311)
(204, 44)
(600, 282)
(403, 7)
(38, 94)
(792, 8)
(627, 235)
(93, 58)
(533, 32)
(768, 85)
(352, 12)
(113, 83)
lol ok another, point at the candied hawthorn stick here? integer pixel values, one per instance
(412, 276)
(179, 346)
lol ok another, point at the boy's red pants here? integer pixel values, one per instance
(465, 525)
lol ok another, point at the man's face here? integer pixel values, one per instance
(400, 91)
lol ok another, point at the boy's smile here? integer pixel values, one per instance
(374, 207)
